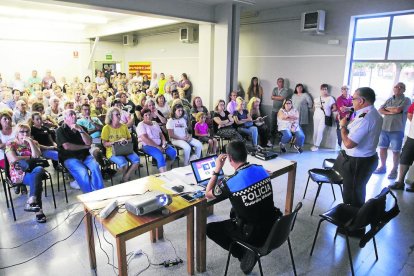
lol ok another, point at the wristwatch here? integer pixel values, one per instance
(216, 174)
(80, 132)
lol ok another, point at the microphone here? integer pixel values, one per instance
(351, 111)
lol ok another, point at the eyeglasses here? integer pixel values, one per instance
(24, 131)
(399, 87)
(116, 114)
(356, 98)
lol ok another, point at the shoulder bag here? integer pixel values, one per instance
(328, 119)
(122, 148)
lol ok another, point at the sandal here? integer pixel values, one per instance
(397, 186)
(41, 218)
(393, 175)
(32, 207)
(380, 170)
(23, 190)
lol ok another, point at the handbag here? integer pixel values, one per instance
(27, 165)
(122, 148)
(328, 119)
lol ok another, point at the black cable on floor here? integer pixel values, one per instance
(53, 244)
(100, 245)
(47, 232)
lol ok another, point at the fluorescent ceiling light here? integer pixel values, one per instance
(14, 23)
(247, 2)
(56, 16)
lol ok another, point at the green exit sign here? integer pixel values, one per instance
(108, 57)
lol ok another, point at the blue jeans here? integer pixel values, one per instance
(50, 154)
(287, 135)
(251, 131)
(34, 181)
(122, 161)
(79, 170)
(159, 156)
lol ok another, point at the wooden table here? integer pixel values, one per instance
(125, 226)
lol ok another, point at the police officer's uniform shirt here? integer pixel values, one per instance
(250, 192)
(364, 130)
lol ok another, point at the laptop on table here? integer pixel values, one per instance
(203, 169)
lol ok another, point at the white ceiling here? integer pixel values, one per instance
(70, 19)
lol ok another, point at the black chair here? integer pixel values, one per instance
(278, 235)
(62, 171)
(323, 176)
(349, 219)
(147, 156)
(328, 163)
(8, 185)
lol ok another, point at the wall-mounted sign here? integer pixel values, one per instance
(143, 67)
(108, 56)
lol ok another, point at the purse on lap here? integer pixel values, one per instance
(122, 148)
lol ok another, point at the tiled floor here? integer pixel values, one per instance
(69, 257)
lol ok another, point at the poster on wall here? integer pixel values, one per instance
(143, 67)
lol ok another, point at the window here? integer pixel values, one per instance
(383, 54)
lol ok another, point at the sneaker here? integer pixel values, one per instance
(259, 148)
(314, 148)
(248, 261)
(397, 186)
(282, 147)
(269, 144)
(74, 185)
(299, 149)
(393, 175)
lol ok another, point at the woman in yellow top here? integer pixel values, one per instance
(116, 132)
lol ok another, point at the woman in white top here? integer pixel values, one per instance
(324, 106)
(153, 140)
(179, 136)
(288, 124)
(162, 106)
(6, 133)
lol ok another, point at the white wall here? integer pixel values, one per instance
(25, 56)
(167, 55)
(278, 49)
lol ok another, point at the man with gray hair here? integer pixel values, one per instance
(74, 143)
(358, 157)
(392, 134)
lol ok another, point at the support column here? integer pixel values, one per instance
(226, 50)
(205, 64)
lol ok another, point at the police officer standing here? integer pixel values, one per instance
(358, 158)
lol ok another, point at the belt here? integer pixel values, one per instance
(346, 156)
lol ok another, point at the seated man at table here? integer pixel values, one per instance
(250, 192)
(74, 143)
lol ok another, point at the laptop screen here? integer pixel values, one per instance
(203, 169)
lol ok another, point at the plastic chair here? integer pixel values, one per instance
(349, 219)
(8, 184)
(323, 176)
(328, 163)
(278, 235)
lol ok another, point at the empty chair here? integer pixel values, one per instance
(328, 163)
(278, 235)
(323, 176)
(350, 220)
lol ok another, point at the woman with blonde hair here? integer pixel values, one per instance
(244, 121)
(253, 107)
(116, 132)
(23, 147)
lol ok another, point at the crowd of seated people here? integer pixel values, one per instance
(76, 124)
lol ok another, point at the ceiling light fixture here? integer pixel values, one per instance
(246, 2)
